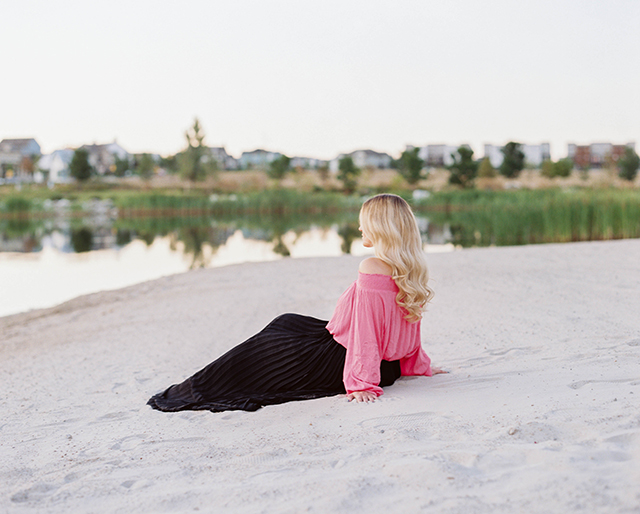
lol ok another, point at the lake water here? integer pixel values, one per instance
(64, 249)
(43, 269)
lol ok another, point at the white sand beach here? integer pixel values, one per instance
(540, 413)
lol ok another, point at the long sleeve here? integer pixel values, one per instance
(362, 362)
(416, 363)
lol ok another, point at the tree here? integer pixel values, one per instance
(195, 162)
(323, 172)
(546, 169)
(464, 169)
(486, 169)
(169, 163)
(79, 167)
(122, 166)
(513, 162)
(410, 166)
(29, 163)
(279, 167)
(348, 174)
(562, 168)
(145, 166)
(629, 164)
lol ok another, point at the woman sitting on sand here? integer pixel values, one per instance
(372, 338)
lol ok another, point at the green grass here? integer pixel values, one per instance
(535, 216)
(476, 218)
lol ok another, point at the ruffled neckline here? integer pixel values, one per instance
(376, 281)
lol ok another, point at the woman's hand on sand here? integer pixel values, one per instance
(437, 371)
(362, 396)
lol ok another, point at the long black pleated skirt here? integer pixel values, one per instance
(293, 358)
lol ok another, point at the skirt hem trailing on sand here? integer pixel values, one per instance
(293, 358)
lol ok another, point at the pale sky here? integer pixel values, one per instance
(316, 78)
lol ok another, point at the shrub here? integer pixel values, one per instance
(562, 168)
(513, 162)
(410, 166)
(486, 169)
(629, 164)
(464, 169)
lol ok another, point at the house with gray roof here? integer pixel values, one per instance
(257, 159)
(363, 159)
(224, 160)
(306, 163)
(18, 158)
(103, 157)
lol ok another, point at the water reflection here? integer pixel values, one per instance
(124, 237)
(82, 240)
(191, 234)
(349, 233)
(280, 248)
(47, 262)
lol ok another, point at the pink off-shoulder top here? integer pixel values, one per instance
(369, 323)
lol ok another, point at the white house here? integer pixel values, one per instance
(534, 155)
(55, 166)
(363, 159)
(371, 159)
(257, 159)
(438, 156)
(307, 163)
(495, 155)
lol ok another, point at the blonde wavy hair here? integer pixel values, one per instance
(391, 226)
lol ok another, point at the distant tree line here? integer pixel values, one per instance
(196, 163)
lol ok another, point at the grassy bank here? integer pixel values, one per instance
(540, 216)
(474, 218)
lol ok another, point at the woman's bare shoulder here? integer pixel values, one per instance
(375, 266)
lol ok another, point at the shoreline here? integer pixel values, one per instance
(538, 414)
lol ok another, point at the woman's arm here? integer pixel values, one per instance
(362, 361)
(362, 369)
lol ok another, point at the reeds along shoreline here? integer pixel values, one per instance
(475, 218)
(541, 216)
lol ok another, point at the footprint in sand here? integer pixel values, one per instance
(625, 439)
(71, 477)
(133, 441)
(518, 351)
(262, 458)
(128, 443)
(34, 493)
(136, 484)
(582, 383)
(536, 432)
